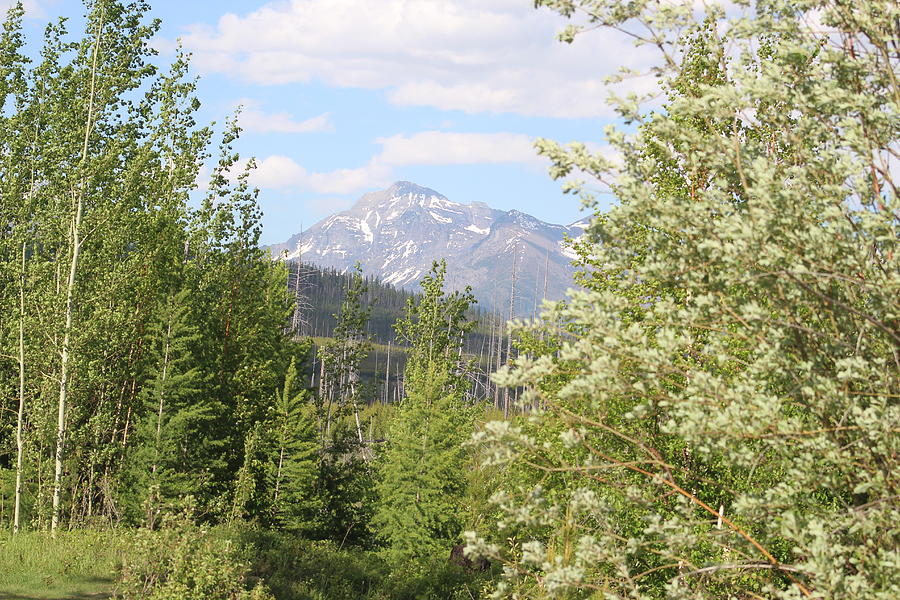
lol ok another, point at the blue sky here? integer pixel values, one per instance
(342, 97)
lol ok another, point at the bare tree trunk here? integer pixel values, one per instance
(64, 369)
(546, 273)
(20, 442)
(162, 397)
(154, 488)
(498, 357)
(387, 375)
(70, 292)
(353, 378)
(512, 308)
(278, 474)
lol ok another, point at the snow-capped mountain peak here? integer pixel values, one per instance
(396, 234)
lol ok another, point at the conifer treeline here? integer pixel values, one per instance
(318, 294)
(323, 290)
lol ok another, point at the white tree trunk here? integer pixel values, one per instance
(70, 291)
(20, 442)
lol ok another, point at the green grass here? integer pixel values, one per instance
(76, 565)
(87, 564)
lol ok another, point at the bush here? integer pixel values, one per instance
(185, 562)
(298, 569)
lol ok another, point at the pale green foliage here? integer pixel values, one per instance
(100, 153)
(433, 329)
(724, 402)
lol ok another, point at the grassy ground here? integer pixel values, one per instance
(77, 565)
(86, 565)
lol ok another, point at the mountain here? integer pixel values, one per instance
(396, 234)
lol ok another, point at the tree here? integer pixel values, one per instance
(721, 405)
(241, 304)
(168, 437)
(341, 358)
(100, 152)
(294, 439)
(345, 477)
(423, 470)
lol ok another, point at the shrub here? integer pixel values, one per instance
(185, 562)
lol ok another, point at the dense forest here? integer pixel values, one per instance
(712, 414)
(319, 292)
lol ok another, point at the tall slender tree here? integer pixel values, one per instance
(423, 469)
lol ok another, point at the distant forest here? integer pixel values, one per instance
(318, 293)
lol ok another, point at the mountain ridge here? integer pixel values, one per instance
(396, 234)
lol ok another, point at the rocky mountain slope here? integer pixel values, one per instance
(396, 234)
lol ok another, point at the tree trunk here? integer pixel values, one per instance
(512, 308)
(70, 291)
(20, 444)
(278, 475)
(387, 375)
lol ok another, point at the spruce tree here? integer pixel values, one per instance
(423, 470)
(166, 458)
(293, 439)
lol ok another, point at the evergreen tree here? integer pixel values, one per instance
(345, 478)
(424, 467)
(295, 455)
(166, 457)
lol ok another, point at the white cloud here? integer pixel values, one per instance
(253, 118)
(278, 172)
(423, 148)
(447, 148)
(470, 55)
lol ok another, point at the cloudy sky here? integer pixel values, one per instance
(342, 97)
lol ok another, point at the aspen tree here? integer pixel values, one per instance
(76, 246)
(15, 208)
(20, 416)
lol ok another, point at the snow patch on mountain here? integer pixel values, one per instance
(366, 230)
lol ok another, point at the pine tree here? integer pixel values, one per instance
(423, 469)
